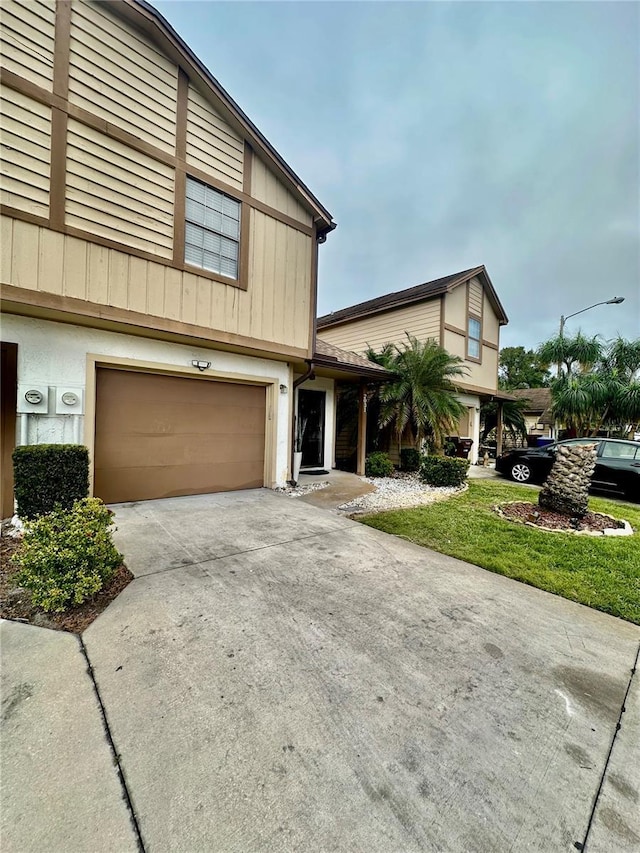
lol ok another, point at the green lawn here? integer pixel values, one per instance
(602, 572)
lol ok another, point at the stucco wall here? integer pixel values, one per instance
(54, 355)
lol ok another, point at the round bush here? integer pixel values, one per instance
(410, 459)
(67, 556)
(443, 471)
(378, 464)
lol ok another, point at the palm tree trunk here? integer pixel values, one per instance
(566, 489)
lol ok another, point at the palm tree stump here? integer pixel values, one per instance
(566, 489)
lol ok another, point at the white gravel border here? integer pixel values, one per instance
(298, 491)
(399, 492)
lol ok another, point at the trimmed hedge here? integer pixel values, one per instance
(378, 464)
(410, 459)
(67, 556)
(47, 475)
(443, 471)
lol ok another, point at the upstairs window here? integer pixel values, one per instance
(212, 230)
(474, 335)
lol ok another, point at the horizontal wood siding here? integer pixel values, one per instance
(267, 188)
(421, 320)
(475, 297)
(26, 39)
(120, 76)
(118, 193)
(25, 130)
(212, 145)
(274, 308)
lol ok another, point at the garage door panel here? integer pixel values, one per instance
(162, 436)
(146, 387)
(164, 481)
(123, 451)
(167, 417)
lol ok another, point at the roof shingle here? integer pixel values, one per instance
(418, 293)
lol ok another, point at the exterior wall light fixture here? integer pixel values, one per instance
(201, 365)
(283, 389)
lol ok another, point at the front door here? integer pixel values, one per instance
(311, 405)
(8, 383)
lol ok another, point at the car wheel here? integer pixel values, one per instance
(520, 472)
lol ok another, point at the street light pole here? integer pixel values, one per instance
(615, 301)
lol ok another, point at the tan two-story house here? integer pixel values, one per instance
(159, 261)
(462, 312)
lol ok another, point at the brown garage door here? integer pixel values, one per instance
(159, 436)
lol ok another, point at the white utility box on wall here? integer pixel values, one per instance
(33, 399)
(69, 400)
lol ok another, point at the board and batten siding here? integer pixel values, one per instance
(267, 188)
(475, 297)
(27, 39)
(421, 320)
(274, 308)
(25, 133)
(455, 307)
(212, 145)
(118, 193)
(120, 76)
(490, 323)
(279, 281)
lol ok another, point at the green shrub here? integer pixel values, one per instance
(67, 556)
(378, 464)
(49, 474)
(410, 459)
(443, 471)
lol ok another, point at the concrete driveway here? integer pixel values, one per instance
(278, 677)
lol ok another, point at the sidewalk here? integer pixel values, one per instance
(343, 487)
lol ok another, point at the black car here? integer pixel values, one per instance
(617, 465)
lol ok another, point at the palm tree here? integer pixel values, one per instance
(513, 419)
(603, 394)
(421, 398)
(578, 353)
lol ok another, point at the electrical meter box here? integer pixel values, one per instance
(69, 400)
(33, 399)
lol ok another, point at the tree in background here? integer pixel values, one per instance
(520, 368)
(421, 398)
(513, 420)
(571, 355)
(598, 384)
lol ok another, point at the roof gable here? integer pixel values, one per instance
(144, 16)
(419, 293)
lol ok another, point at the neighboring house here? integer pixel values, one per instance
(159, 262)
(461, 312)
(537, 413)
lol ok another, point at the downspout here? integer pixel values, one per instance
(310, 374)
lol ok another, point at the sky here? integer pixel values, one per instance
(445, 135)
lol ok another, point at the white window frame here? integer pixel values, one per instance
(212, 230)
(472, 338)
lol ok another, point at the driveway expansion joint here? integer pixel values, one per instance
(582, 845)
(240, 553)
(116, 757)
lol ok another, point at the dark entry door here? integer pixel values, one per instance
(311, 419)
(8, 383)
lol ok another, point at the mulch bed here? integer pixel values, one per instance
(15, 602)
(593, 522)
